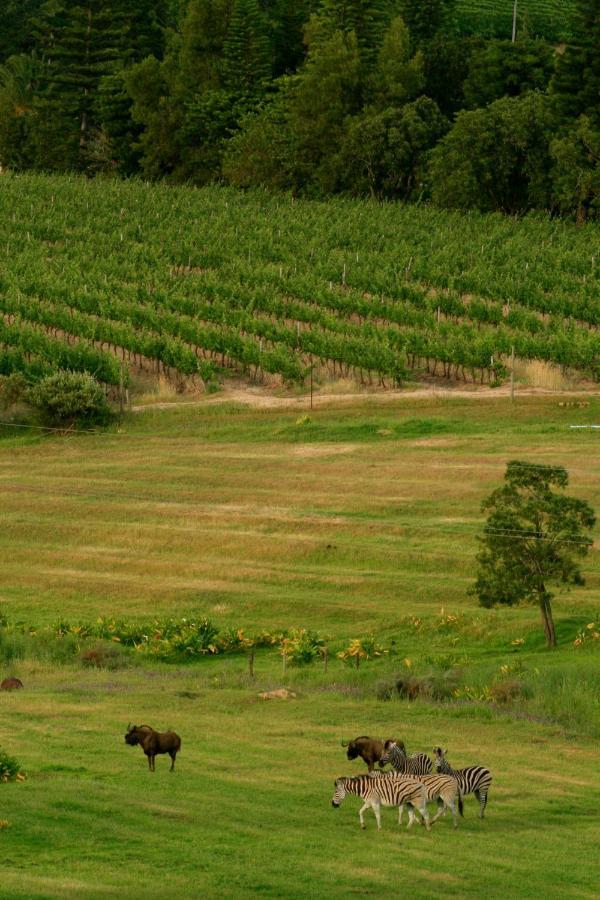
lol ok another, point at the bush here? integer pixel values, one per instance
(69, 397)
(9, 767)
(13, 389)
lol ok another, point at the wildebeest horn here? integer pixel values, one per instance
(345, 744)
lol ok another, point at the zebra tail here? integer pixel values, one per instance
(460, 805)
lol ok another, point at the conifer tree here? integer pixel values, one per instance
(79, 43)
(246, 51)
(368, 19)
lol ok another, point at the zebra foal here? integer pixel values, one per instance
(471, 780)
(378, 791)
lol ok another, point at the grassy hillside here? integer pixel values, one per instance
(550, 19)
(350, 521)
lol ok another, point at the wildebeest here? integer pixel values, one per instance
(11, 684)
(369, 749)
(154, 742)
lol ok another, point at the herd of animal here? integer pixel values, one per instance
(411, 782)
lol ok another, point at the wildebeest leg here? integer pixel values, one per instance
(149, 761)
(172, 754)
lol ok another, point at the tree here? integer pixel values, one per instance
(425, 18)
(576, 85)
(384, 154)
(246, 50)
(320, 100)
(576, 171)
(503, 69)
(533, 538)
(497, 158)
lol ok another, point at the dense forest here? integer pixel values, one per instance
(394, 99)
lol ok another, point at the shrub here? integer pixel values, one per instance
(69, 397)
(301, 646)
(9, 767)
(361, 648)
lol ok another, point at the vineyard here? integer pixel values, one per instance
(549, 19)
(108, 277)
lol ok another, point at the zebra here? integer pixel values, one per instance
(377, 791)
(443, 788)
(418, 764)
(471, 780)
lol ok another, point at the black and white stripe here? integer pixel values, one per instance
(381, 790)
(471, 780)
(418, 764)
(443, 788)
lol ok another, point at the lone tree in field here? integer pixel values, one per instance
(533, 538)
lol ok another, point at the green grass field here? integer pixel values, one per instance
(348, 521)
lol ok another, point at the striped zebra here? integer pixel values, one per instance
(377, 791)
(418, 764)
(443, 788)
(471, 780)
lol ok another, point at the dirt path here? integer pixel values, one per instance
(260, 398)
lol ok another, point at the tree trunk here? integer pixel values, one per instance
(547, 620)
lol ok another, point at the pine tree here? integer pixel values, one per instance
(79, 44)
(368, 19)
(246, 51)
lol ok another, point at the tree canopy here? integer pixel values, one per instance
(533, 539)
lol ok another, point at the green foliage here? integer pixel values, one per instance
(18, 85)
(320, 101)
(398, 75)
(246, 50)
(13, 389)
(425, 18)
(576, 86)
(385, 154)
(301, 646)
(576, 170)
(69, 397)
(533, 537)
(497, 158)
(502, 69)
(9, 767)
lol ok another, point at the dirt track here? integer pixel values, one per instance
(260, 398)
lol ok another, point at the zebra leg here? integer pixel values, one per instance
(400, 811)
(482, 803)
(376, 806)
(411, 816)
(452, 806)
(366, 805)
(425, 815)
(440, 812)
